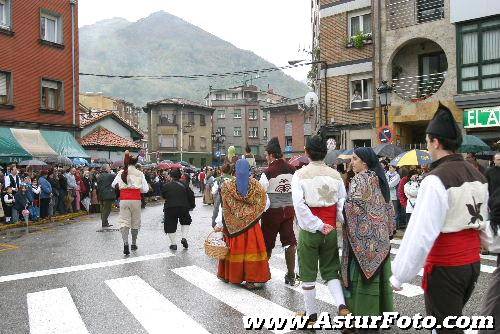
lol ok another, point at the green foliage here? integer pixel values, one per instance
(358, 40)
(165, 44)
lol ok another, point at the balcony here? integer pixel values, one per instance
(405, 13)
(168, 121)
(419, 87)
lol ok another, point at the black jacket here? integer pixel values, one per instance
(104, 189)
(175, 195)
(22, 201)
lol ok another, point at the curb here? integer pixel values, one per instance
(43, 221)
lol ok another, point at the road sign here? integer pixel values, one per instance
(385, 134)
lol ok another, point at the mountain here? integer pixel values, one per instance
(165, 44)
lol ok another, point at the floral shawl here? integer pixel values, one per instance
(242, 213)
(368, 227)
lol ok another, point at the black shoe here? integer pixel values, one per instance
(126, 251)
(133, 247)
(107, 225)
(173, 247)
(292, 280)
(311, 320)
(184, 243)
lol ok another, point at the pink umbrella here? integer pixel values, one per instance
(299, 161)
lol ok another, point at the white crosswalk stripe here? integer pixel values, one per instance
(151, 308)
(245, 302)
(54, 312)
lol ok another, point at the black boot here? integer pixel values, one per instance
(126, 250)
(173, 247)
(133, 247)
(184, 243)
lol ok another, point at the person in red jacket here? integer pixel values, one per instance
(402, 197)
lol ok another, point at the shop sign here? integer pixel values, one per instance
(482, 117)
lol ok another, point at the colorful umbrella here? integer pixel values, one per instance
(299, 161)
(388, 150)
(80, 162)
(472, 144)
(412, 158)
(58, 160)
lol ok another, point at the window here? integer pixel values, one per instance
(288, 141)
(5, 88)
(253, 132)
(203, 143)
(191, 117)
(5, 14)
(360, 22)
(264, 136)
(253, 114)
(222, 130)
(361, 93)
(52, 95)
(237, 131)
(167, 118)
(237, 113)
(221, 114)
(264, 115)
(432, 68)
(479, 56)
(202, 120)
(218, 96)
(235, 96)
(167, 141)
(430, 10)
(51, 27)
(191, 142)
(254, 149)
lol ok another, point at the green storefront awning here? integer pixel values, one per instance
(10, 149)
(64, 144)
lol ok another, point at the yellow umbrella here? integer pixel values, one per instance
(412, 158)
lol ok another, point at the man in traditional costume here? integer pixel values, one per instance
(443, 232)
(243, 202)
(131, 183)
(318, 195)
(277, 179)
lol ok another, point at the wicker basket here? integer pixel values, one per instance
(215, 251)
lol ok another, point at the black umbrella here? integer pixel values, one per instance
(103, 161)
(58, 160)
(388, 150)
(32, 163)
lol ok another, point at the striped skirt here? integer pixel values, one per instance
(247, 258)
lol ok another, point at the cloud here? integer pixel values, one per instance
(272, 29)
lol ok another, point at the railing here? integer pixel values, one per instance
(419, 87)
(417, 146)
(405, 13)
(167, 121)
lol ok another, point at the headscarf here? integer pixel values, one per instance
(369, 157)
(242, 176)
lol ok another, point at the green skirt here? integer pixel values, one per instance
(369, 297)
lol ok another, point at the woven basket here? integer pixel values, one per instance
(215, 251)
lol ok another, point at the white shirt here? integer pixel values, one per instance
(305, 218)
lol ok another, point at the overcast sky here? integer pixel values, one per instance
(273, 29)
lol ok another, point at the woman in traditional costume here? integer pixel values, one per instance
(243, 202)
(208, 198)
(366, 265)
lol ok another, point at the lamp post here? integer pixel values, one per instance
(218, 138)
(384, 94)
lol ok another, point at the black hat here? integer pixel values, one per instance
(316, 143)
(273, 146)
(175, 173)
(443, 125)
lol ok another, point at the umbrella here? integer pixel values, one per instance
(472, 144)
(80, 162)
(346, 155)
(32, 163)
(388, 150)
(332, 156)
(103, 161)
(59, 160)
(412, 158)
(117, 164)
(299, 161)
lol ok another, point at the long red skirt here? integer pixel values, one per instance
(247, 258)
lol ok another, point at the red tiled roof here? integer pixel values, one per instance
(106, 138)
(179, 101)
(87, 118)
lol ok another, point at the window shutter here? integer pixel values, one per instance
(3, 84)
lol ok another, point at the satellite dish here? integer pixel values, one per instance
(311, 99)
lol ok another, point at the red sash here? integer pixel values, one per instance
(452, 249)
(130, 194)
(328, 214)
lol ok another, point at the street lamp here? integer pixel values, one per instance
(218, 138)
(384, 95)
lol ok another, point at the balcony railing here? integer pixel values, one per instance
(167, 121)
(405, 13)
(419, 87)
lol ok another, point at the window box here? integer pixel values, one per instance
(359, 40)
(52, 44)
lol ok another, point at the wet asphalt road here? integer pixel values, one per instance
(81, 242)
